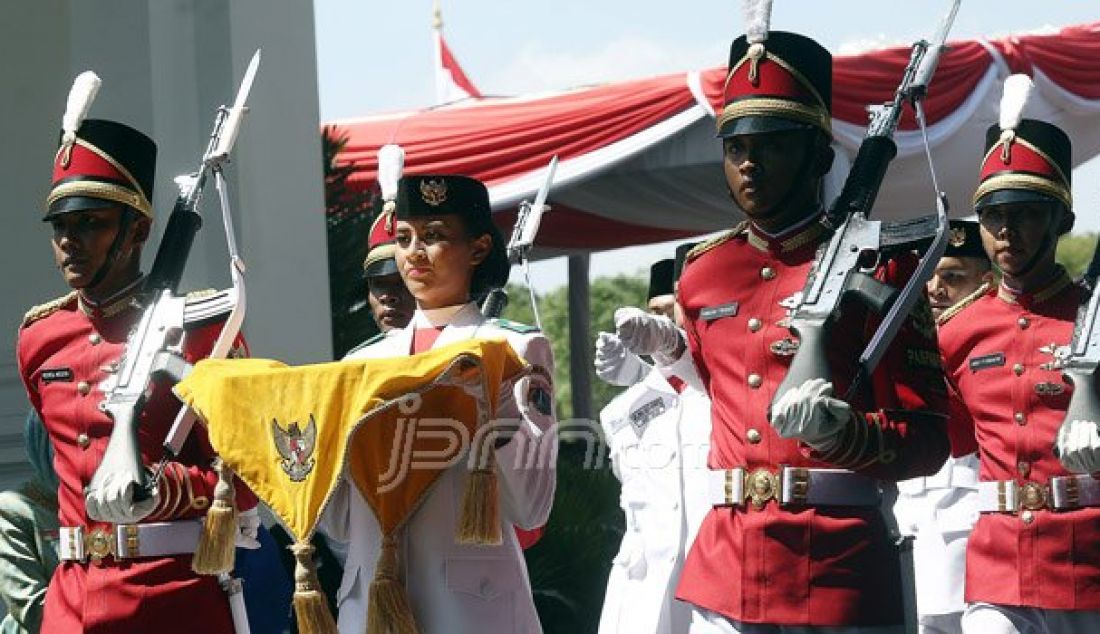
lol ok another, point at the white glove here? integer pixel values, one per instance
(643, 333)
(615, 364)
(248, 528)
(810, 414)
(1078, 446)
(113, 501)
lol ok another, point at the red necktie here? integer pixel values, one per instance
(424, 338)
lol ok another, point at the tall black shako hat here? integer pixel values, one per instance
(1025, 160)
(99, 163)
(681, 258)
(660, 278)
(426, 195)
(964, 240)
(776, 80)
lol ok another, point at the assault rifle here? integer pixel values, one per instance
(1079, 361)
(845, 264)
(519, 245)
(155, 347)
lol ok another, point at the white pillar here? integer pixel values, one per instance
(166, 65)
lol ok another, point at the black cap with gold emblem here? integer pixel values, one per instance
(427, 195)
(964, 240)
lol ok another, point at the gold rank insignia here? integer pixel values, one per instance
(434, 191)
(296, 448)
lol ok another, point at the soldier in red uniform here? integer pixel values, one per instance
(1033, 561)
(132, 577)
(796, 538)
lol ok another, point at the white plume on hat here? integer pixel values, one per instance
(758, 15)
(81, 96)
(1017, 91)
(391, 164)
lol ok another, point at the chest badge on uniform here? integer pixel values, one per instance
(646, 412)
(987, 361)
(785, 347)
(1047, 388)
(1058, 353)
(295, 446)
(790, 303)
(50, 375)
(710, 313)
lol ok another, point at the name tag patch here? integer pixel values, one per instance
(640, 417)
(49, 375)
(983, 362)
(710, 313)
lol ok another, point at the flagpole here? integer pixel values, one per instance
(441, 92)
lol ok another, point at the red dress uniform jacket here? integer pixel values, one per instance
(801, 565)
(64, 353)
(997, 353)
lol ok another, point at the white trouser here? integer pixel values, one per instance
(707, 622)
(989, 618)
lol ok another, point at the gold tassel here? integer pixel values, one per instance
(217, 544)
(479, 518)
(1007, 137)
(310, 605)
(389, 611)
(755, 53)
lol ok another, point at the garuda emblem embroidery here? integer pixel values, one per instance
(296, 448)
(957, 237)
(434, 191)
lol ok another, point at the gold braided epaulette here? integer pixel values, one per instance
(199, 294)
(45, 310)
(957, 308)
(703, 247)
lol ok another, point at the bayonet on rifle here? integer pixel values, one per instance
(522, 240)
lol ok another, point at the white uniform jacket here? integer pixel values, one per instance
(659, 440)
(453, 588)
(940, 511)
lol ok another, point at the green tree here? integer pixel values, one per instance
(347, 219)
(606, 294)
(1075, 252)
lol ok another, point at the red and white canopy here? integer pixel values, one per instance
(639, 161)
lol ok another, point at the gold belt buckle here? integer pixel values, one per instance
(1033, 496)
(760, 486)
(99, 543)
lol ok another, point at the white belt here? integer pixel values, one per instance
(129, 541)
(792, 486)
(1062, 494)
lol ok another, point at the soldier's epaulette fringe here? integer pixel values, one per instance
(703, 247)
(45, 310)
(946, 315)
(199, 294)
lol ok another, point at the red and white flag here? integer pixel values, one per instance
(451, 84)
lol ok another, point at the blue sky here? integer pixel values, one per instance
(376, 55)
